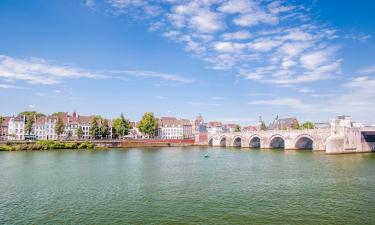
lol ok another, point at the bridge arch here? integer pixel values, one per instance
(237, 141)
(254, 141)
(277, 141)
(210, 141)
(223, 141)
(304, 141)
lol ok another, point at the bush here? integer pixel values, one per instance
(47, 145)
(86, 145)
(57, 145)
(71, 146)
(7, 148)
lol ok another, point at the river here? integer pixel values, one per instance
(182, 186)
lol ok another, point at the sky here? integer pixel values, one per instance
(229, 60)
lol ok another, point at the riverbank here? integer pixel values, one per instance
(45, 145)
(95, 144)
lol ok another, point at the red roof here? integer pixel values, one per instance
(214, 124)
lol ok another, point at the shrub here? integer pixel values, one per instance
(7, 148)
(57, 145)
(86, 145)
(71, 145)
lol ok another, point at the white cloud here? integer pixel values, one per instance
(358, 98)
(227, 46)
(9, 86)
(237, 6)
(277, 7)
(150, 74)
(206, 22)
(292, 103)
(31, 106)
(239, 35)
(216, 98)
(305, 90)
(193, 103)
(312, 60)
(264, 45)
(39, 71)
(358, 37)
(293, 49)
(367, 70)
(90, 4)
(256, 18)
(247, 36)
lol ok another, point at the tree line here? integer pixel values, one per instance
(99, 127)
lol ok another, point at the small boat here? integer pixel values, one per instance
(206, 156)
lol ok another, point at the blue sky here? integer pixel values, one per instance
(229, 60)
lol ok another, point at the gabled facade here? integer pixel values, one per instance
(173, 128)
(16, 128)
(44, 127)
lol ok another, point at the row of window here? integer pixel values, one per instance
(15, 131)
(17, 125)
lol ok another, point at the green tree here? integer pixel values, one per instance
(148, 124)
(237, 129)
(116, 125)
(120, 126)
(263, 125)
(69, 134)
(59, 126)
(29, 124)
(31, 114)
(308, 125)
(104, 128)
(1, 122)
(79, 133)
(30, 117)
(94, 127)
(57, 113)
(296, 126)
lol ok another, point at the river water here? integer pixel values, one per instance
(182, 186)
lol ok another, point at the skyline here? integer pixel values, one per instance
(307, 59)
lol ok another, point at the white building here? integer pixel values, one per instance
(16, 128)
(44, 127)
(173, 128)
(215, 128)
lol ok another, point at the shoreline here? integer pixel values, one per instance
(119, 144)
(87, 144)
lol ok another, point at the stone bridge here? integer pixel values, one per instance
(314, 139)
(343, 136)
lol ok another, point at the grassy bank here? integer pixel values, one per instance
(47, 145)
